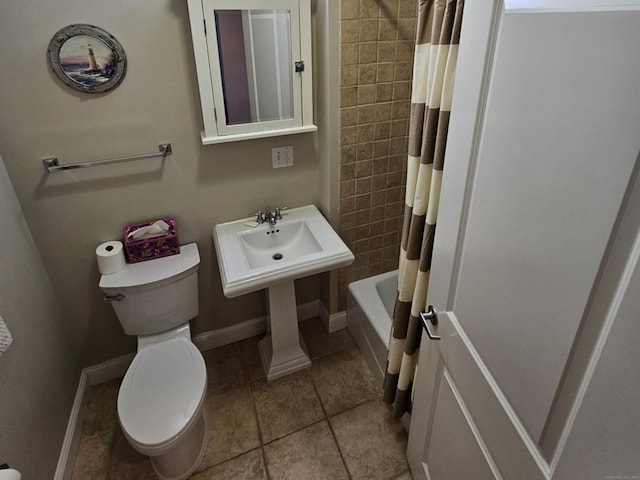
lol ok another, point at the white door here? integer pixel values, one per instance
(534, 251)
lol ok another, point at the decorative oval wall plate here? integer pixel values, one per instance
(87, 58)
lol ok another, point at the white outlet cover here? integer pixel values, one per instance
(282, 157)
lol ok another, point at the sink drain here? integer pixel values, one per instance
(277, 256)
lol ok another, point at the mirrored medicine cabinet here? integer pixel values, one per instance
(253, 61)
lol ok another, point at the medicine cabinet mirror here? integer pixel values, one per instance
(253, 60)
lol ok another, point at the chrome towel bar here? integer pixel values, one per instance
(51, 164)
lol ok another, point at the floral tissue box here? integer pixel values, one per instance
(151, 248)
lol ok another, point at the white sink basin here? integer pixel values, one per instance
(291, 240)
(302, 243)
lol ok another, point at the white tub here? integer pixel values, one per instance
(370, 305)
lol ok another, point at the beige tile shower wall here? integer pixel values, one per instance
(377, 41)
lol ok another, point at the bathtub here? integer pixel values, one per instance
(370, 305)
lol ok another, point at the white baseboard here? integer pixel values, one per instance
(256, 326)
(337, 321)
(225, 336)
(74, 429)
(117, 367)
(109, 370)
(309, 310)
(332, 322)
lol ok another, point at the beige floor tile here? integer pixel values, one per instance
(101, 414)
(233, 429)
(372, 443)
(249, 466)
(92, 458)
(320, 342)
(309, 454)
(338, 374)
(403, 476)
(343, 380)
(251, 358)
(285, 405)
(224, 367)
(127, 464)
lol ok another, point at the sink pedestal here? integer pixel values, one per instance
(272, 256)
(283, 350)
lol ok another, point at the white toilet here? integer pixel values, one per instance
(10, 474)
(161, 399)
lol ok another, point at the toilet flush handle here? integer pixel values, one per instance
(118, 297)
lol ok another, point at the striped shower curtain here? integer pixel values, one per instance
(434, 67)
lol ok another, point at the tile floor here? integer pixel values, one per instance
(337, 427)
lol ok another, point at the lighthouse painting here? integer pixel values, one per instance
(87, 58)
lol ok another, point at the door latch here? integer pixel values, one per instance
(430, 316)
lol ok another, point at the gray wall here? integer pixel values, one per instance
(38, 373)
(70, 213)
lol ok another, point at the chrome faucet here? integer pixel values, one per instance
(268, 216)
(278, 215)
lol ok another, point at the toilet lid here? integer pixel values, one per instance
(161, 391)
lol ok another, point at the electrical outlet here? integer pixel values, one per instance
(282, 157)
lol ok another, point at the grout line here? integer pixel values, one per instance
(317, 392)
(264, 463)
(324, 415)
(294, 431)
(333, 435)
(246, 384)
(245, 368)
(335, 439)
(365, 401)
(199, 472)
(255, 410)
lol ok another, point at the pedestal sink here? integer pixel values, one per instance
(272, 257)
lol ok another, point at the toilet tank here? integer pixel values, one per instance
(157, 295)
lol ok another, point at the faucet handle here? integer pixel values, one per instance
(278, 215)
(259, 216)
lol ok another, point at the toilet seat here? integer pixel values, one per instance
(161, 394)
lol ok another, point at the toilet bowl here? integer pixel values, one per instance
(10, 474)
(161, 398)
(161, 406)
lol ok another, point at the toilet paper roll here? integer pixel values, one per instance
(5, 337)
(110, 257)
